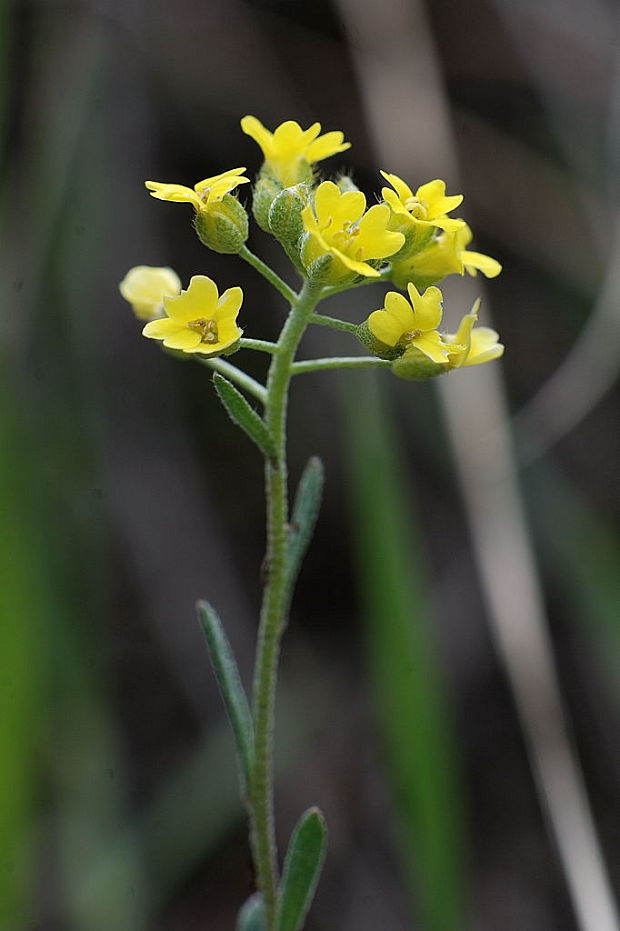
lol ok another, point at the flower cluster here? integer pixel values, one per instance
(335, 241)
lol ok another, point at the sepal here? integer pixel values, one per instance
(224, 226)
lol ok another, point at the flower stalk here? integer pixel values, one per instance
(337, 244)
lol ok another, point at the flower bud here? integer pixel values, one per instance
(285, 220)
(265, 192)
(415, 366)
(224, 226)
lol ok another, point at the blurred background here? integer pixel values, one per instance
(468, 529)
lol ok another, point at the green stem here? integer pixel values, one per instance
(250, 384)
(333, 323)
(268, 273)
(275, 602)
(338, 362)
(262, 345)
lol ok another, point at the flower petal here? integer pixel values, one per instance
(173, 192)
(476, 261)
(427, 307)
(385, 327)
(399, 308)
(375, 241)
(162, 328)
(324, 146)
(255, 129)
(228, 305)
(403, 190)
(200, 300)
(145, 288)
(432, 345)
(484, 346)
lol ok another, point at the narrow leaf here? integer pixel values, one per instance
(302, 869)
(252, 914)
(305, 513)
(244, 416)
(228, 679)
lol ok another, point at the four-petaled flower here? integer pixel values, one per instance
(204, 194)
(338, 225)
(145, 287)
(199, 320)
(409, 324)
(426, 208)
(290, 150)
(472, 345)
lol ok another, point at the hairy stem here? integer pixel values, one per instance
(268, 273)
(236, 375)
(338, 362)
(333, 323)
(275, 602)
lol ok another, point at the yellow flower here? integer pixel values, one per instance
(426, 208)
(199, 320)
(290, 150)
(411, 324)
(146, 287)
(445, 255)
(472, 345)
(204, 194)
(338, 226)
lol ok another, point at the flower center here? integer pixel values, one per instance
(417, 208)
(410, 335)
(344, 238)
(206, 328)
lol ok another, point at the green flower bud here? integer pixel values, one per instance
(415, 366)
(285, 219)
(224, 226)
(265, 192)
(367, 339)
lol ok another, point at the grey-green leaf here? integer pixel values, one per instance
(305, 513)
(252, 914)
(244, 416)
(302, 869)
(232, 690)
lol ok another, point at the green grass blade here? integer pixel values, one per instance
(302, 869)
(229, 681)
(244, 416)
(409, 695)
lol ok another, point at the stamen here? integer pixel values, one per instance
(207, 329)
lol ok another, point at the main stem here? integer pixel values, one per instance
(275, 602)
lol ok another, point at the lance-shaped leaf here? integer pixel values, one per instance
(228, 679)
(252, 914)
(304, 517)
(245, 416)
(302, 868)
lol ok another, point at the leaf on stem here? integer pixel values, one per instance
(252, 914)
(245, 416)
(232, 690)
(304, 517)
(302, 868)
